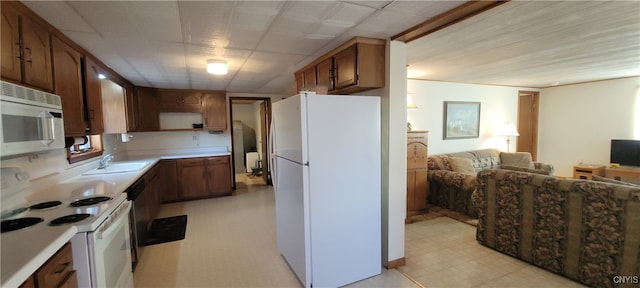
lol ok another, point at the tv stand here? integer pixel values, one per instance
(624, 173)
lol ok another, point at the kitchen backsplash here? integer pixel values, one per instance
(195, 140)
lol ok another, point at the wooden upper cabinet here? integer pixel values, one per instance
(299, 81)
(10, 49)
(179, 100)
(215, 111)
(93, 96)
(147, 109)
(310, 79)
(324, 74)
(355, 66)
(26, 49)
(130, 108)
(37, 55)
(68, 85)
(346, 68)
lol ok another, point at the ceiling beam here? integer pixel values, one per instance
(445, 19)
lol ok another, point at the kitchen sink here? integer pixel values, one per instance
(119, 167)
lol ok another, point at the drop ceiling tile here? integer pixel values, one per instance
(60, 15)
(157, 20)
(109, 19)
(206, 22)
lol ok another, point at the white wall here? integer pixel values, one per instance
(577, 122)
(498, 105)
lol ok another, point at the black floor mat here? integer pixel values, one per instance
(167, 229)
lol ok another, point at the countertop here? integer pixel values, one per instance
(24, 251)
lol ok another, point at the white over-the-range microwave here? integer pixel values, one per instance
(31, 120)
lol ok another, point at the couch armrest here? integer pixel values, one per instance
(546, 167)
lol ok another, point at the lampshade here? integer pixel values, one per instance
(508, 129)
(410, 104)
(217, 67)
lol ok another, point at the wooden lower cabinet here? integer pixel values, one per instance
(203, 177)
(219, 176)
(191, 178)
(168, 181)
(56, 272)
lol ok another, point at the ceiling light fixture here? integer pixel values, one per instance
(217, 67)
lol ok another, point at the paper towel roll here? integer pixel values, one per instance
(70, 141)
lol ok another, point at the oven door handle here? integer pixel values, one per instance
(111, 225)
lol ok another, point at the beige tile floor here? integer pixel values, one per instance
(231, 242)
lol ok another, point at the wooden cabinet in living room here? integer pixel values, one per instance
(26, 49)
(417, 186)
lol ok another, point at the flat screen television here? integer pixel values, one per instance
(625, 152)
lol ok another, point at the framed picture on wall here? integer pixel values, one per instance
(461, 120)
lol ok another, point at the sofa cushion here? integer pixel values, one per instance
(523, 169)
(519, 159)
(438, 162)
(462, 165)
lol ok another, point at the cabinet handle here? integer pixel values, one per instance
(63, 267)
(28, 58)
(19, 51)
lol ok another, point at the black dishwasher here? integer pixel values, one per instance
(137, 219)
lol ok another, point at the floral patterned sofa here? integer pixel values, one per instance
(452, 182)
(586, 230)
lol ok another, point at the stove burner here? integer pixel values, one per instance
(89, 201)
(69, 219)
(45, 205)
(19, 223)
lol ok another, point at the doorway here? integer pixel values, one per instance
(250, 119)
(528, 109)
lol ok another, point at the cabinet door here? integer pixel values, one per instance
(215, 111)
(325, 74)
(168, 185)
(37, 55)
(310, 79)
(180, 101)
(10, 49)
(192, 178)
(299, 81)
(219, 175)
(93, 96)
(147, 108)
(151, 188)
(68, 85)
(346, 68)
(130, 108)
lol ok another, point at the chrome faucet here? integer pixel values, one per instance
(104, 162)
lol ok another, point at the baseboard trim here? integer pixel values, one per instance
(396, 263)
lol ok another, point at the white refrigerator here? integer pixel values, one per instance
(326, 171)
